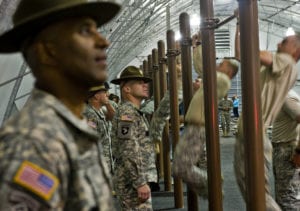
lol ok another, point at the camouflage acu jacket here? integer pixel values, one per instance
(132, 146)
(49, 159)
(96, 120)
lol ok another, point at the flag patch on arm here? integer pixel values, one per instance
(36, 179)
(126, 118)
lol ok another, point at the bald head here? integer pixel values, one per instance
(229, 67)
(290, 45)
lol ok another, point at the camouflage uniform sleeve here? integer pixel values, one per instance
(92, 119)
(231, 104)
(159, 118)
(148, 107)
(35, 176)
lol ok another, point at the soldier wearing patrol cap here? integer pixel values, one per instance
(132, 147)
(50, 158)
(98, 97)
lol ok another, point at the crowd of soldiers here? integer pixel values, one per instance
(62, 149)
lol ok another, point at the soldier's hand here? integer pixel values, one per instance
(144, 192)
(296, 159)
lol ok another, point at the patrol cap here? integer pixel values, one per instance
(131, 73)
(32, 16)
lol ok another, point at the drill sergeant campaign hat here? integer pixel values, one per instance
(32, 16)
(131, 73)
(95, 89)
(102, 87)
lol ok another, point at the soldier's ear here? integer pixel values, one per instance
(127, 89)
(45, 53)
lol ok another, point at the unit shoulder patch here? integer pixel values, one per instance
(36, 179)
(125, 129)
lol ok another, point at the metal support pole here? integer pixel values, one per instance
(171, 54)
(186, 67)
(211, 113)
(13, 95)
(225, 21)
(156, 84)
(165, 138)
(150, 74)
(252, 122)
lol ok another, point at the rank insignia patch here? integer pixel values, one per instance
(36, 179)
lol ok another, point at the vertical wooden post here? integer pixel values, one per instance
(150, 74)
(211, 112)
(156, 88)
(165, 138)
(252, 122)
(171, 54)
(186, 67)
(145, 67)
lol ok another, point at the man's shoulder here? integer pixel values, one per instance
(89, 112)
(126, 107)
(31, 125)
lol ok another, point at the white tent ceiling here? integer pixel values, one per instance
(135, 32)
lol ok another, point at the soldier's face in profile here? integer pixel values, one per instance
(138, 89)
(103, 96)
(287, 45)
(223, 67)
(79, 50)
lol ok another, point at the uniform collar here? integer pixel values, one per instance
(63, 111)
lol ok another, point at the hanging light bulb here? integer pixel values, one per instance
(290, 31)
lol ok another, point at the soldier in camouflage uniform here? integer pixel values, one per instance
(191, 150)
(132, 146)
(225, 107)
(286, 149)
(277, 76)
(97, 120)
(190, 161)
(50, 158)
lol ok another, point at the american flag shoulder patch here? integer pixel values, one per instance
(92, 124)
(36, 179)
(126, 118)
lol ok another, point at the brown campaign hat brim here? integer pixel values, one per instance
(12, 40)
(119, 80)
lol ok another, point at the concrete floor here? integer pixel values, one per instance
(232, 201)
(232, 198)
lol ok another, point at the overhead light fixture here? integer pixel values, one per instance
(195, 20)
(290, 31)
(177, 35)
